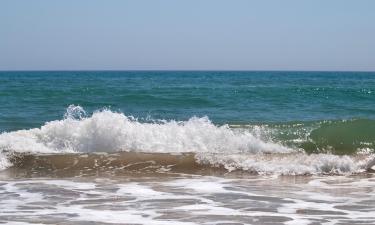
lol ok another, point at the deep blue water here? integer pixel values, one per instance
(29, 99)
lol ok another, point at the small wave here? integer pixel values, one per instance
(344, 136)
(111, 131)
(291, 163)
(119, 163)
(340, 137)
(107, 131)
(252, 149)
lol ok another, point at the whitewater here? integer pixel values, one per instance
(217, 146)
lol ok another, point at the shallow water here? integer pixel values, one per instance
(150, 188)
(188, 199)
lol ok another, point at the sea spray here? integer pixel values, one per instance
(214, 145)
(107, 131)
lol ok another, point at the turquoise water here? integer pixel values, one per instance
(316, 111)
(187, 147)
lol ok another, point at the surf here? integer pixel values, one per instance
(140, 163)
(255, 149)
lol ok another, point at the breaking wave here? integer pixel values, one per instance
(208, 144)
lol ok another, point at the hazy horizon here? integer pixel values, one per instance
(190, 35)
(184, 70)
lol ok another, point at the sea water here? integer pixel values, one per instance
(187, 147)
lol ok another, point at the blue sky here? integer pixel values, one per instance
(187, 35)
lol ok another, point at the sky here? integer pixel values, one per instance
(187, 35)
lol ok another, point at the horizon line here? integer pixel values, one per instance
(180, 70)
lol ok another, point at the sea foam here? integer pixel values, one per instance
(108, 131)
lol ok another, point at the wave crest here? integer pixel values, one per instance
(107, 131)
(223, 146)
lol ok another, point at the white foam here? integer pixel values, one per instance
(288, 164)
(151, 201)
(107, 131)
(139, 191)
(208, 185)
(82, 212)
(110, 131)
(4, 162)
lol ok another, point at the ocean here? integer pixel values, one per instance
(187, 147)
